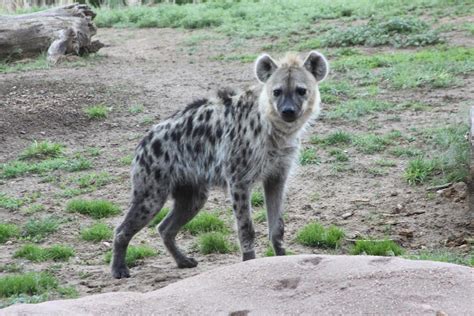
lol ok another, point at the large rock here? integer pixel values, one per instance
(293, 285)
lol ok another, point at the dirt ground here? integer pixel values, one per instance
(153, 67)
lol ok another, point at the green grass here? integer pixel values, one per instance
(159, 217)
(269, 252)
(97, 232)
(450, 152)
(316, 235)
(260, 216)
(205, 222)
(93, 180)
(385, 163)
(94, 208)
(8, 231)
(37, 254)
(136, 109)
(336, 138)
(126, 160)
(19, 168)
(339, 155)
(257, 199)
(376, 248)
(247, 58)
(395, 31)
(443, 256)
(42, 150)
(371, 143)
(31, 283)
(308, 156)
(257, 18)
(38, 229)
(214, 242)
(399, 151)
(357, 108)
(37, 63)
(9, 203)
(97, 112)
(429, 68)
(134, 254)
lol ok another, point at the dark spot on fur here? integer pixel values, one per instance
(144, 164)
(167, 157)
(189, 126)
(157, 150)
(236, 196)
(166, 136)
(208, 115)
(226, 95)
(157, 175)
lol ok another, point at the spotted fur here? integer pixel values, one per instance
(234, 140)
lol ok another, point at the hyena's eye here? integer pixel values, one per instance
(277, 92)
(301, 91)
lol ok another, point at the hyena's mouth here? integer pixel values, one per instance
(289, 116)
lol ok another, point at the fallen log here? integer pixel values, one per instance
(58, 31)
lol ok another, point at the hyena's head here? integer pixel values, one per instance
(290, 93)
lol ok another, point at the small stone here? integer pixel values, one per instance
(106, 244)
(408, 232)
(9, 242)
(398, 208)
(347, 215)
(393, 193)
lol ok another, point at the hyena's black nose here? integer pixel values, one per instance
(288, 114)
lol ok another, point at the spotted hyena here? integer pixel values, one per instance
(232, 140)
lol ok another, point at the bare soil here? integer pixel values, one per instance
(154, 68)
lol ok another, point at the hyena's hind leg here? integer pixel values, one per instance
(143, 208)
(188, 200)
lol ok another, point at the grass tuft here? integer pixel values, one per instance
(159, 217)
(134, 254)
(42, 150)
(94, 208)
(38, 229)
(97, 112)
(443, 256)
(308, 157)
(205, 222)
(97, 232)
(376, 248)
(316, 235)
(9, 203)
(37, 254)
(257, 199)
(214, 242)
(8, 231)
(31, 283)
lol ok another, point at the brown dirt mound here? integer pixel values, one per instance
(293, 285)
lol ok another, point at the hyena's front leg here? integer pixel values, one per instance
(241, 207)
(274, 192)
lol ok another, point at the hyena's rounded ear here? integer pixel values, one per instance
(265, 66)
(317, 65)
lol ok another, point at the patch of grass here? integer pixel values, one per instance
(38, 229)
(395, 31)
(37, 254)
(11, 268)
(31, 283)
(34, 208)
(420, 169)
(431, 68)
(337, 138)
(269, 252)
(92, 180)
(126, 160)
(134, 254)
(94, 208)
(399, 151)
(97, 232)
(8, 231)
(97, 112)
(159, 217)
(42, 150)
(443, 256)
(25, 65)
(357, 108)
(371, 143)
(260, 216)
(316, 235)
(18, 168)
(257, 199)
(249, 58)
(214, 242)
(205, 222)
(136, 109)
(308, 157)
(385, 163)
(376, 248)
(339, 155)
(9, 203)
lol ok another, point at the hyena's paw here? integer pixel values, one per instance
(249, 255)
(186, 262)
(120, 272)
